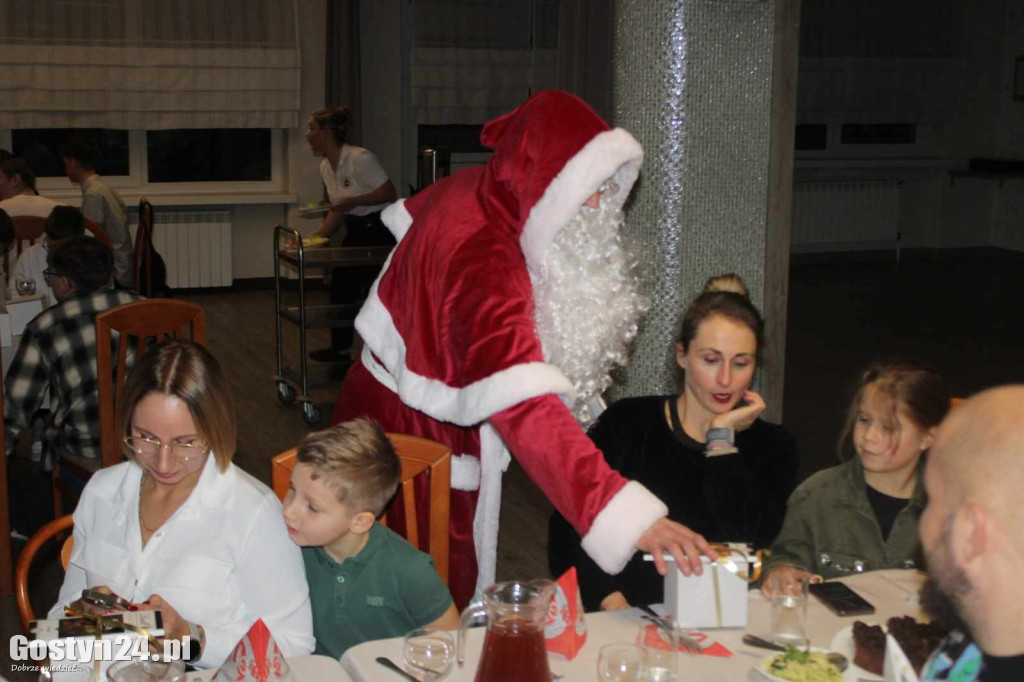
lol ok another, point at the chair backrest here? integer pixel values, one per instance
(27, 229)
(144, 249)
(6, 575)
(25, 563)
(98, 232)
(419, 457)
(138, 323)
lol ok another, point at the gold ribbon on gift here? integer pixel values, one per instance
(726, 562)
(98, 625)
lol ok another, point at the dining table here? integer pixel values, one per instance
(891, 592)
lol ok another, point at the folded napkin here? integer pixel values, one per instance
(654, 639)
(565, 629)
(256, 658)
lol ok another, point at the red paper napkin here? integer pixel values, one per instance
(256, 658)
(708, 646)
(565, 631)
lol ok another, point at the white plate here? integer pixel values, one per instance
(843, 644)
(310, 212)
(762, 667)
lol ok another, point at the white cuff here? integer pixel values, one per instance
(465, 472)
(611, 540)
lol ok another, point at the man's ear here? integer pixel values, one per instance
(971, 536)
(929, 438)
(362, 522)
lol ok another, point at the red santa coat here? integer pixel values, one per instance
(451, 350)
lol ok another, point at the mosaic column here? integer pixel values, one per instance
(693, 82)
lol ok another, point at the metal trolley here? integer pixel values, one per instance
(289, 379)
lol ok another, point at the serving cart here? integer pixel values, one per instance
(288, 248)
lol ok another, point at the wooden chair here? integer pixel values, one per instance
(6, 557)
(98, 232)
(27, 229)
(54, 528)
(419, 457)
(141, 323)
(144, 249)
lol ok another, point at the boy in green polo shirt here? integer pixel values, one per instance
(365, 581)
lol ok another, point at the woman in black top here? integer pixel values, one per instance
(721, 471)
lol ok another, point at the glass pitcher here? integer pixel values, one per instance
(514, 647)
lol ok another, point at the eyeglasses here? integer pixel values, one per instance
(50, 274)
(146, 447)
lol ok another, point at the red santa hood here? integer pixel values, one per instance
(449, 321)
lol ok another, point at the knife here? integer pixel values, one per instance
(388, 663)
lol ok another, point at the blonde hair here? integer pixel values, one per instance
(190, 373)
(357, 461)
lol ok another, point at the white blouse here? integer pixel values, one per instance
(359, 172)
(223, 559)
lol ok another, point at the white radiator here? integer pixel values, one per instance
(195, 246)
(845, 216)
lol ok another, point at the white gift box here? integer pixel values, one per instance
(74, 642)
(715, 599)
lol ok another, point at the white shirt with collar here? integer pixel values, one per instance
(359, 172)
(222, 560)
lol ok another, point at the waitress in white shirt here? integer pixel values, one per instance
(180, 528)
(358, 189)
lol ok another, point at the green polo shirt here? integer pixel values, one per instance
(386, 590)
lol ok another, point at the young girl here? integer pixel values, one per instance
(862, 515)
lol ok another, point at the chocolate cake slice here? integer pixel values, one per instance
(918, 640)
(868, 647)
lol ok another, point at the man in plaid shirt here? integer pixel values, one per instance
(58, 350)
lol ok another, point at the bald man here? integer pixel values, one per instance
(972, 531)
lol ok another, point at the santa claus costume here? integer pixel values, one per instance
(451, 346)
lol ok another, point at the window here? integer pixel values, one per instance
(221, 155)
(811, 136)
(41, 148)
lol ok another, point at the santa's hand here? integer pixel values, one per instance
(742, 417)
(683, 544)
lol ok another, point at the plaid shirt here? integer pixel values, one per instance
(58, 350)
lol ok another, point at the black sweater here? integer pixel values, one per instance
(740, 497)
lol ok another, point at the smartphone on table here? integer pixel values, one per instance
(840, 599)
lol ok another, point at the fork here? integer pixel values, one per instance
(688, 644)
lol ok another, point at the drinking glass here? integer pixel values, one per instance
(25, 286)
(75, 673)
(621, 663)
(430, 652)
(789, 609)
(661, 651)
(147, 671)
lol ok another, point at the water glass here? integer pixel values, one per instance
(68, 672)
(147, 671)
(25, 286)
(789, 609)
(621, 663)
(661, 651)
(430, 652)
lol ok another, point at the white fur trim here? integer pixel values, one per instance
(611, 540)
(613, 154)
(397, 219)
(464, 406)
(494, 460)
(465, 472)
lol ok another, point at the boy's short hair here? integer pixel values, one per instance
(81, 151)
(16, 166)
(86, 262)
(64, 222)
(357, 461)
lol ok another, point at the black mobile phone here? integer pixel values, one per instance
(840, 599)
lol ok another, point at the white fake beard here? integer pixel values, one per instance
(588, 304)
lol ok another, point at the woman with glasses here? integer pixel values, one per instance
(180, 528)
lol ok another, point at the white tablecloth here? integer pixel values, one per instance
(304, 668)
(892, 593)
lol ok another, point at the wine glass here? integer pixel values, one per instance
(25, 286)
(147, 671)
(429, 651)
(621, 663)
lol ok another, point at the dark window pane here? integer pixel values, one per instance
(879, 133)
(219, 155)
(41, 147)
(811, 136)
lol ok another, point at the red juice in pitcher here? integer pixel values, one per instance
(514, 651)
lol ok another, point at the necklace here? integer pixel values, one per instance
(142, 524)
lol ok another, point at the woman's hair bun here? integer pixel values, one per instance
(729, 283)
